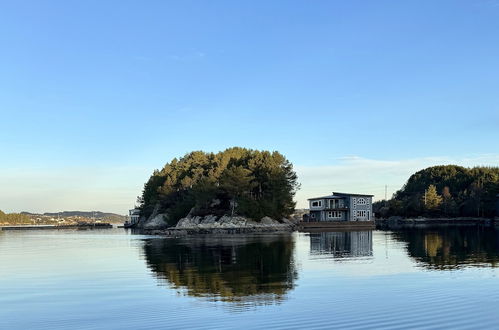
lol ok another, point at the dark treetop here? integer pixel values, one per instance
(239, 181)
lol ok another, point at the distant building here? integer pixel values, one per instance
(133, 216)
(341, 207)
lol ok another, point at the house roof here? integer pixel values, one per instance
(325, 197)
(339, 193)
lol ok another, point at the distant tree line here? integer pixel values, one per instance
(238, 181)
(14, 218)
(445, 191)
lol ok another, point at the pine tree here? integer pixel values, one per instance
(432, 199)
(236, 181)
(446, 200)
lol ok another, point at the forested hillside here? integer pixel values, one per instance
(239, 181)
(445, 191)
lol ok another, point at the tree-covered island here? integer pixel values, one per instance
(445, 191)
(235, 182)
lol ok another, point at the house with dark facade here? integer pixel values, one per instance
(341, 207)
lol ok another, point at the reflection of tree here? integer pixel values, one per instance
(433, 243)
(242, 269)
(342, 244)
(452, 247)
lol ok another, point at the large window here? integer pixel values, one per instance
(334, 214)
(361, 214)
(317, 204)
(361, 201)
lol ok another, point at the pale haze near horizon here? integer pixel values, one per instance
(95, 96)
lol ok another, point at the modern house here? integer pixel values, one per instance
(341, 207)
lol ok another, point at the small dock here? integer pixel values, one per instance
(337, 225)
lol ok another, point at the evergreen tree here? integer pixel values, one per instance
(236, 182)
(247, 182)
(446, 201)
(432, 199)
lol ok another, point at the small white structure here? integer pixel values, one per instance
(133, 217)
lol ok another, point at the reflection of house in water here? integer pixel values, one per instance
(342, 244)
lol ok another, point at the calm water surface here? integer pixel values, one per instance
(111, 279)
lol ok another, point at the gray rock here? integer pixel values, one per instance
(157, 222)
(266, 221)
(211, 224)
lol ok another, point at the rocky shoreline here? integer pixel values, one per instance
(210, 224)
(217, 231)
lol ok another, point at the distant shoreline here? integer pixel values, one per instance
(41, 227)
(399, 222)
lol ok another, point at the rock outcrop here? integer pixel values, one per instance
(213, 222)
(156, 222)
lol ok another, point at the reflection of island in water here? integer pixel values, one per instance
(452, 247)
(245, 269)
(342, 244)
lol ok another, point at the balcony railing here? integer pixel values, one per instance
(337, 207)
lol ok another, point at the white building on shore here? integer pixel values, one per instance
(133, 217)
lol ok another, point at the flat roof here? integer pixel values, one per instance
(329, 196)
(339, 193)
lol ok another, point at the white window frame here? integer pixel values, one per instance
(361, 201)
(319, 204)
(333, 214)
(361, 214)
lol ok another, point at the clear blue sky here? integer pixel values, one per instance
(94, 95)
